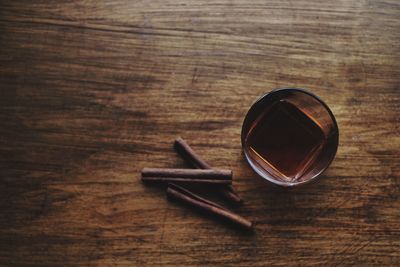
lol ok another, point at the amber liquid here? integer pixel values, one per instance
(285, 141)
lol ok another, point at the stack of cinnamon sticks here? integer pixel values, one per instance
(177, 181)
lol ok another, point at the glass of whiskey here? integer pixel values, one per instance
(289, 136)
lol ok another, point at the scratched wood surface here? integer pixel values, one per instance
(93, 91)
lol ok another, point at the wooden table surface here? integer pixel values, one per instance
(93, 91)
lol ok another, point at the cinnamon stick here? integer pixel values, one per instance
(187, 153)
(183, 148)
(184, 195)
(214, 176)
(192, 195)
(189, 173)
(230, 193)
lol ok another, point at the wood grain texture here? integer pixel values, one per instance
(91, 92)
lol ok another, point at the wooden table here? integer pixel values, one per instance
(93, 91)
